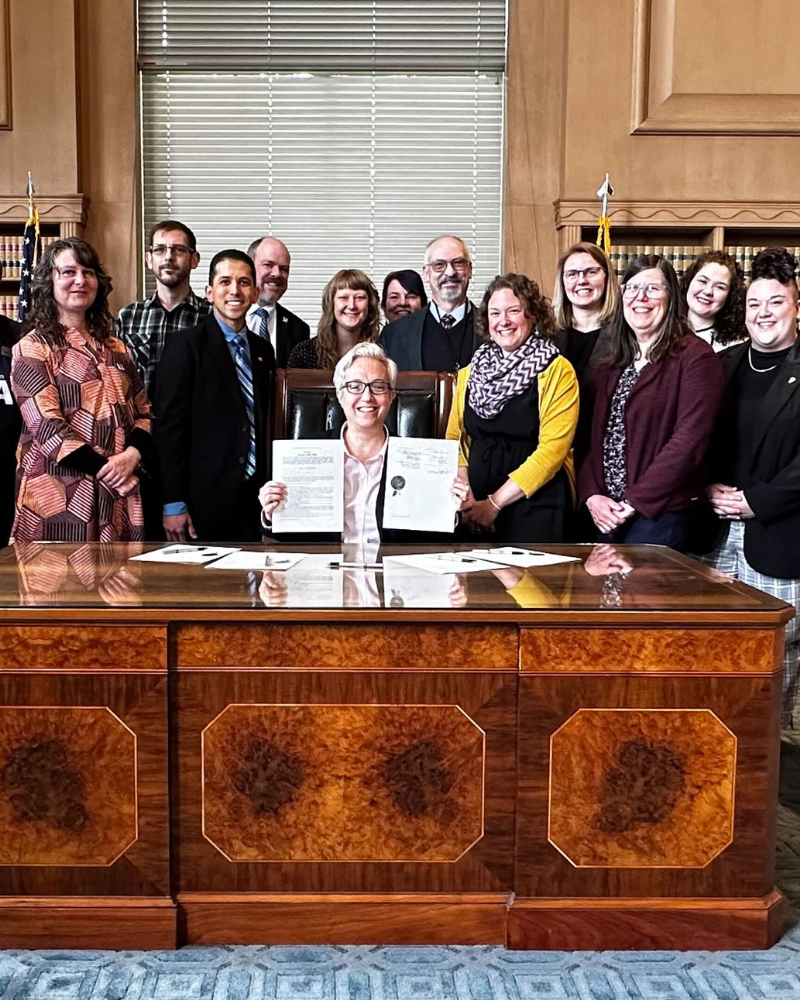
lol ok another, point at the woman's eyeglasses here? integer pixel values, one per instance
(378, 387)
(653, 290)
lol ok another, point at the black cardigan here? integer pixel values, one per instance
(772, 537)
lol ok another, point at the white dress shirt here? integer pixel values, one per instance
(253, 322)
(458, 313)
(362, 482)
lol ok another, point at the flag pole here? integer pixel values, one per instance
(30, 253)
(604, 223)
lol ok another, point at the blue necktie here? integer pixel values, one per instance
(263, 329)
(244, 371)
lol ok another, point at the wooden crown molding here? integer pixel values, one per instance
(669, 214)
(52, 209)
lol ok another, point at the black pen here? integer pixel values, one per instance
(354, 565)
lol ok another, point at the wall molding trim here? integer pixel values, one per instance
(658, 109)
(669, 214)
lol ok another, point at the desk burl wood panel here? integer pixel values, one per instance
(565, 757)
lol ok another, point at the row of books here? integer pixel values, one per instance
(8, 305)
(11, 254)
(682, 256)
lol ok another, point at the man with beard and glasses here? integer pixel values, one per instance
(442, 337)
(267, 318)
(146, 325)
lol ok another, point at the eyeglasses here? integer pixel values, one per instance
(71, 273)
(378, 387)
(162, 249)
(653, 290)
(586, 272)
(440, 266)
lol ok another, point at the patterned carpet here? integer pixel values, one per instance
(392, 973)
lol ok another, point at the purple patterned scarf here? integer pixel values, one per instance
(494, 377)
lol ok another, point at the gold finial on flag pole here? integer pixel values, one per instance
(604, 223)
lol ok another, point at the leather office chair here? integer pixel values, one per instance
(306, 404)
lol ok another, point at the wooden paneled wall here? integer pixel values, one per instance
(679, 99)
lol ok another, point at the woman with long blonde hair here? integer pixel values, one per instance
(350, 315)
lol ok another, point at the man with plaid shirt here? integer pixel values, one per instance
(145, 325)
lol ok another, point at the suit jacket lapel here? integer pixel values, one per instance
(220, 353)
(780, 392)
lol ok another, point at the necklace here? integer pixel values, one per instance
(761, 370)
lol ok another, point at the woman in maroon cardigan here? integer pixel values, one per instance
(656, 395)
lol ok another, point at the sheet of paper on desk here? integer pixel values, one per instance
(419, 474)
(313, 472)
(184, 553)
(443, 562)
(258, 560)
(512, 555)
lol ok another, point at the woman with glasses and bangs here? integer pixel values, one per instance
(350, 315)
(86, 416)
(657, 390)
(365, 381)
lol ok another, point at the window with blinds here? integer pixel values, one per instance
(354, 131)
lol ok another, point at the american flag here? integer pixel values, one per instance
(30, 254)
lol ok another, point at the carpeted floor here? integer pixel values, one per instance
(369, 973)
(392, 973)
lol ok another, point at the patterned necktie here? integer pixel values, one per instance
(263, 330)
(244, 371)
(447, 322)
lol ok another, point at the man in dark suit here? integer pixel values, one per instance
(442, 337)
(212, 393)
(267, 317)
(10, 426)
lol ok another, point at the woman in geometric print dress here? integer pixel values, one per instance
(86, 416)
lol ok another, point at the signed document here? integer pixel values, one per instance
(419, 474)
(313, 472)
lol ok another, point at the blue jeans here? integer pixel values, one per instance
(670, 528)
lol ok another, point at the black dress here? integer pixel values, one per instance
(499, 446)
(10, 426)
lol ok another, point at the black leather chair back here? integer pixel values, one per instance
(307, 406)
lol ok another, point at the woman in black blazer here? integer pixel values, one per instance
(751, 529)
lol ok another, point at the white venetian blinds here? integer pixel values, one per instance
(354, 131)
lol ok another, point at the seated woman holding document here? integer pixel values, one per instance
(365, 382)
(514, 415)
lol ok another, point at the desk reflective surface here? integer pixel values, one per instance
(604, 578)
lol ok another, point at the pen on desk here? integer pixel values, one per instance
(354, 565)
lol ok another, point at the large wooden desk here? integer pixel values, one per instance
(579, 761)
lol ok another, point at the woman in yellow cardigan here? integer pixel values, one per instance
(514, 414)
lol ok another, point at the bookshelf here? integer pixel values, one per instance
(59, 216)
(682, 230)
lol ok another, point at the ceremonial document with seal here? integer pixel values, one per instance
(419, 474)
(313, 472)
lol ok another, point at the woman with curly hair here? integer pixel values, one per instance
(86, 416)
(712, 289)
(350, 315)
(514, 415)
(657, 391)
